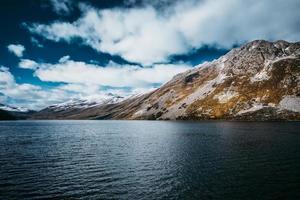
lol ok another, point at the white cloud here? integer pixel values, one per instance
(93, 91)
(113, 75)
(87, 89)
(2, 98)
(28, 64)
(28, 95)
(5, 76)
(16, 49)
(146, 35)
(61, 7)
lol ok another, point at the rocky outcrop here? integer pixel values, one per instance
(258, 81)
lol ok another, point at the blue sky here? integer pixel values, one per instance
(55, 50)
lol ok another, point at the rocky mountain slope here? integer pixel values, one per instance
(258, 81)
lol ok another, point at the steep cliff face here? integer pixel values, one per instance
(258, 81)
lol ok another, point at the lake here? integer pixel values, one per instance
(149, 160)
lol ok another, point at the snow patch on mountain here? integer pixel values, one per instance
(224, 97)
(261, 76)
(284, 58)
(291, 103)
(201, 93)
(140, 112)
(206, 89)
(86, 102)
(255, 107)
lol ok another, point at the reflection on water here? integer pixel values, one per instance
(149, 160)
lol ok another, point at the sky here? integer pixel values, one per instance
(52, 51)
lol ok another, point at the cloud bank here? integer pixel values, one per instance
(80, 80)
(27, 95)
(147, 35)
(112, 75)
(36, 97)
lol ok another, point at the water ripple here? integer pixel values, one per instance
(148, 160)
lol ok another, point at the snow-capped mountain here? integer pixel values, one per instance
(13, 108)
(84, 103)
(258, 81)
(8, 112)
(77, 106)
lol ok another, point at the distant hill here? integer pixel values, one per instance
(4, 115)
(11, 113)
(74, 107)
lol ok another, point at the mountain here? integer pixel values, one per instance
(12, 112)
(13, 109)
(4, 115)
(258, 81)
(72, 108)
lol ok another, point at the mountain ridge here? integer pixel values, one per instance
(5, 115)
(257, 81)
(8, 112)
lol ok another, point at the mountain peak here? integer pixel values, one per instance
(259, 77)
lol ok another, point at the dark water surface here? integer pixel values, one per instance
(149, 160)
